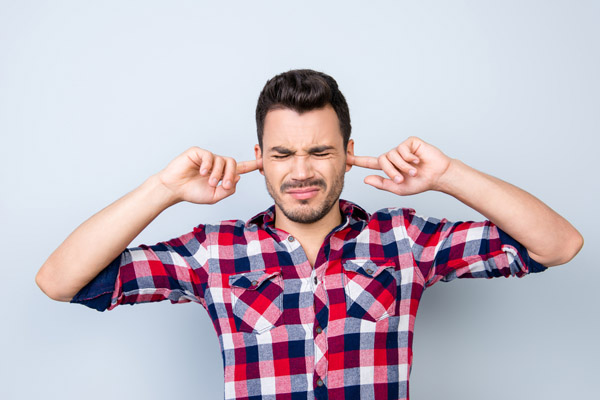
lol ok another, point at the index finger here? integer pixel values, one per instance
(364, 161)
(243, 167)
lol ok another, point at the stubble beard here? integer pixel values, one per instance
(306, 214)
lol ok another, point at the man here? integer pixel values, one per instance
(313, 298)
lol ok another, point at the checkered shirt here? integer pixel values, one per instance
(288, 331)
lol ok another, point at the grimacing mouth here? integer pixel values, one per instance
(311, 183)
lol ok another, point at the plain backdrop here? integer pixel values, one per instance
(95, 96)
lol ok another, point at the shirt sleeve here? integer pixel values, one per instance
(445, 250)
(175, 270)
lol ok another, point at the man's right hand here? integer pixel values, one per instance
(201, 177)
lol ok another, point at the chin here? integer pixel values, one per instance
(311, 210)
(306, 214)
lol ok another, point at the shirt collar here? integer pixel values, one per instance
(350, 211)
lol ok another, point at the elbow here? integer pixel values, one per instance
(576, 246)
(47, 284)
(568, 250)
(572, 247)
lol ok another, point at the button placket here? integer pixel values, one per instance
(320, 337)
(314, 280)
(290, 243)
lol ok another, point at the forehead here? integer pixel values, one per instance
(286, 127)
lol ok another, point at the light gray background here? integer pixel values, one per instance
(95, 96)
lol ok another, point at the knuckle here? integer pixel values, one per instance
(399, 161)
(197, 150)
(207, 157)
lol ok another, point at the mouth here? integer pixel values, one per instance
(304, 193)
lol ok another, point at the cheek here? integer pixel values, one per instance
(276, 170)
(330, 169)
(272, 173)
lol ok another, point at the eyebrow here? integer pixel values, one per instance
(311, 150)
(281, 150)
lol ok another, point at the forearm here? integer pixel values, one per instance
(548, 237)
(100, 239)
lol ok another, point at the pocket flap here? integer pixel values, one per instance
(368, 268)
(251, 280)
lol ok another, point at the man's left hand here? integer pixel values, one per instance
(413, 167)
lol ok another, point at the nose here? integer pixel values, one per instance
(301, 168)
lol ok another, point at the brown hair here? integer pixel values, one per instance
(302, 90)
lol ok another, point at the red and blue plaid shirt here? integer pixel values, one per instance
(343, 329)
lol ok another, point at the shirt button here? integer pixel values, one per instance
(291, 239)
(254, 283)
(319, 382)
(319, 330)
(316, 280)
(369, 271)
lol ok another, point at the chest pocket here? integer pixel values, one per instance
(257, 300)
(371, 288)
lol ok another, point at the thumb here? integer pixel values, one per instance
(375, 181)
(388, 185)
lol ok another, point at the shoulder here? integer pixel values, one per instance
(358, 213)
(393, 213)
(203, 233)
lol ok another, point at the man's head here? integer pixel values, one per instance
(304, 136)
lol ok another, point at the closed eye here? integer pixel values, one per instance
(321, 154)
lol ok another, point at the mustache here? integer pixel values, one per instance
(303, 184)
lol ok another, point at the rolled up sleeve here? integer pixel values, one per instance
(173, 270)
(445, 250)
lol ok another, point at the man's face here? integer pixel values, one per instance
(304, 162)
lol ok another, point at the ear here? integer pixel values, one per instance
(258, 156)
(349, 151)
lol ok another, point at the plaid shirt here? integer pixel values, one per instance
(343, 329)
